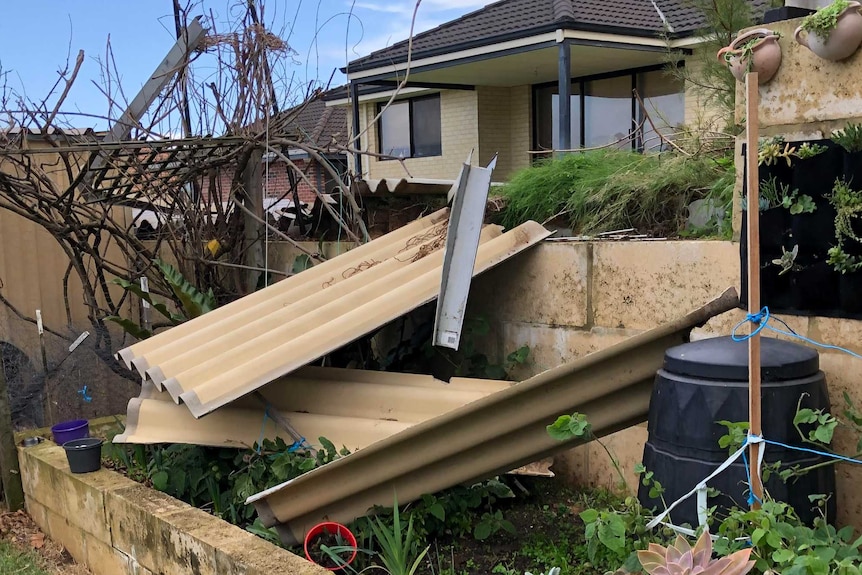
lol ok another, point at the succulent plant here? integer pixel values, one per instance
(681, 559)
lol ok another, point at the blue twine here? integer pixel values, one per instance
(85, 394)
(752, 498)
(814, 451)
(262, 429)
(762, 320)
(297, 445)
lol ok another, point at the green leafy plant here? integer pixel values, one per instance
(771, 150)
(848, 207)
(842, 262)
(399, 548)
(190, 300)
(604, 190)
(680, 558)
(850, 138)
(492, 523)
(824, 20)
(779, 542)
(774, 194)
(787, 261)
(809, 150)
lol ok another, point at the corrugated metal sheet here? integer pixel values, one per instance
(221, 356)
(351, 408)
(489, 436)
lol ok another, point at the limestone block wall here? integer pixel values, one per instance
(116, 526)
(569, 299)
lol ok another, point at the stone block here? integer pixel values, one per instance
(103, 559)
(641, 285)
(67, 534)
(545, 285)
(246, 554)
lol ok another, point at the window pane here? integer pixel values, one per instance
(664, 100)
(426, 127)
(547, 117)
(395, 130)
(608, 111)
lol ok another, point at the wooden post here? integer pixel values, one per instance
(255, 230)
(751, 140)
(10, 475)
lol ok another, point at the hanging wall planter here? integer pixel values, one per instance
(754, 51)
(832, 33)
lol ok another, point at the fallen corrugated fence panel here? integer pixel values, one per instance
(219, 357)
(491, 435)
(351, 408)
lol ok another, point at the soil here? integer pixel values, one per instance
(548, 533)
(321, 557)
(20, 530)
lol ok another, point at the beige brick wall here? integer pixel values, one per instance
(460, 135)
(521, 126)
(115, 526)
(504, 128)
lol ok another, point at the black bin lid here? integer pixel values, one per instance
(725, 359)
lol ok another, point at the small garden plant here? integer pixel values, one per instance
(850, 138)
(824, 20)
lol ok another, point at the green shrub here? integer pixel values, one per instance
(605, 190)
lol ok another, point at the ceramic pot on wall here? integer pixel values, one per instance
(842, 41)
(762, 55)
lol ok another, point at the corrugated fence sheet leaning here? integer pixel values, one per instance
(217, 358)
(489, 436)
(350, 407)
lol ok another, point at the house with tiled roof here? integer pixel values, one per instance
(520, 78)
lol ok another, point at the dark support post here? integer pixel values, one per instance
(10, 475)
(354, 99)
(565, 91)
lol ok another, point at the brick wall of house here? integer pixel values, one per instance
(276, 182)
(460, 135)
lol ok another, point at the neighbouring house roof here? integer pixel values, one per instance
(219, 357)
(512, 19)
(320, 125)
(491, 435)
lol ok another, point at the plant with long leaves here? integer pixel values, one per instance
(398, 546)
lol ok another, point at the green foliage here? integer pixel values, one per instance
(774, 194)
(850, 138)
(15, 562)
(842, 262)
(824, 20)
(781, 543)
(604, 190)
(706, 77)
(808, 150)
(737, 434)
(219, 479)
(492, 523)
(771, 150)
(824, 424)
(568, 427)
(787, 261)
(191, 301)
(399, 548)
(848, 210)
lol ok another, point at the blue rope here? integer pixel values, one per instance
(262, 429)
(752, 498)
(762, 320)
(297, 445)
(85, 394)
(814, 451)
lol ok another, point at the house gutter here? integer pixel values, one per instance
(495, 434)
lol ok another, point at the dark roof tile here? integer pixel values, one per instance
(523, 17)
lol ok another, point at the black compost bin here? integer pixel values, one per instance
(707, 381)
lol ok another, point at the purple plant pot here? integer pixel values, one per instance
(70, 430)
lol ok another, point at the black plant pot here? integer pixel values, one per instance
(84, 455)
(850, 292)
(853, 169)
(814, 233)
(816, 176)
(816, 287)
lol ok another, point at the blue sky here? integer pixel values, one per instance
(37, 35)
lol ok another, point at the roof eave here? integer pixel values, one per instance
(519, 35)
